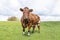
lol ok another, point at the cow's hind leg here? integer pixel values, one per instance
(38, 26)
(33, 28)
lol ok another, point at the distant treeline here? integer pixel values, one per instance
(13, 18)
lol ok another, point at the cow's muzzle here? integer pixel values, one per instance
(26, 18)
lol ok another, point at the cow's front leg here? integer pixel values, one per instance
(29, 31)
(23, 29)
(29, 27)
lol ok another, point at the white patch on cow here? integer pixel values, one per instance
(39, 22)
(28, 33)
(23, 33)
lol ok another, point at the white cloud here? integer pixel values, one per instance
(56, 10)
(46, 7)
(3, 18)
(50, 18)
(43, 6)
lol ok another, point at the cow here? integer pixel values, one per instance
(29, 20)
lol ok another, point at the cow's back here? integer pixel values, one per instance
(34, 18)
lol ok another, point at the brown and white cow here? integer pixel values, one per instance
(29, 20)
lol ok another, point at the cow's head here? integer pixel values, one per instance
(26, 11)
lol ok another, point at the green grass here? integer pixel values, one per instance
(13, 31)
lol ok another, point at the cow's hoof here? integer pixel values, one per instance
(23, 33)
(28, 34)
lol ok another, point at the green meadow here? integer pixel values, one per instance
(12, 30)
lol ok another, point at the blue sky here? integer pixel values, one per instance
(44, 8)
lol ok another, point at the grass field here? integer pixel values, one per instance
(13, 31)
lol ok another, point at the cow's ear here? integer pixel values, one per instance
(21, 9)
(31, 10)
